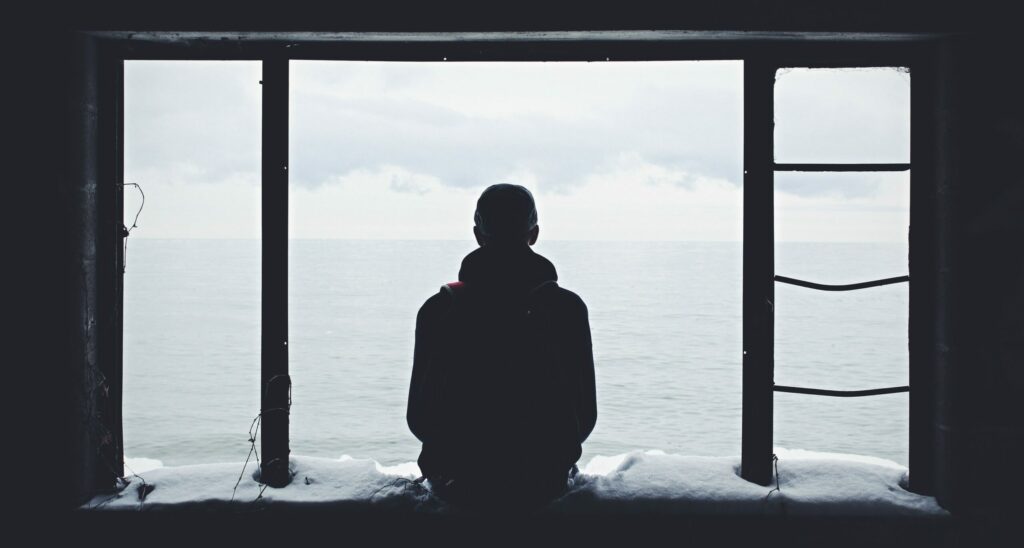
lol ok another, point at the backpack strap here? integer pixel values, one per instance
(542, 287)
(453, 288)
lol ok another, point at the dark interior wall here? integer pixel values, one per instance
(84, 220)
(38, 373)
(978, 432)
(94, 273)
(535, 15)
(981, 408)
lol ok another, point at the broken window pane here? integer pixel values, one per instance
(859, 115)
(192, 279)
(841, 228)
(841, 207)
(841, 340)
(876, 426)
(624, 160)
(850, 340)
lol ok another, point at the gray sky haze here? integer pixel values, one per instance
(612, 151)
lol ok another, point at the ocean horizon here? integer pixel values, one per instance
(665, 319)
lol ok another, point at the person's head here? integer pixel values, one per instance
(506, 215)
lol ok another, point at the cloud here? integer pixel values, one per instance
(389, 202)
(612, 150)
(175, 208)
(842, 115)
(469, 124)
(877, 210)
(200, 113)
(840, 185)
(633, 201)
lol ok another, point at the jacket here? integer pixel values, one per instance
(503, 371)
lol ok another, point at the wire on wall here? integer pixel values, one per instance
(135, 223)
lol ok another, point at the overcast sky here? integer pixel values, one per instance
(624, 151)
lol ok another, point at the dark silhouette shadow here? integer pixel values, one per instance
(502, 393)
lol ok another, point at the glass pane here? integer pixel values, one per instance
(635, 168)
(666, 318)
(192, 280)
(851, 340)
(841, 207)
(876, 426)
(847, 340)
(844, 341)
(839, 228)
(859, 115)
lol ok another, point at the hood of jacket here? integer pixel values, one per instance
(506, 268)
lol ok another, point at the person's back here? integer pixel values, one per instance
(502, 393)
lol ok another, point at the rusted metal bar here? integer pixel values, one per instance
(110, 262)
(94, 359)
(843, 287)
(841, 393)
(274, 380)
(87, 473)
(758, 270)
(842, 167)
(813, 50)
(927, 232)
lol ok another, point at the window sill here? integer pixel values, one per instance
(652, 482)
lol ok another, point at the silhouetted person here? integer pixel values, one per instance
(502, 393)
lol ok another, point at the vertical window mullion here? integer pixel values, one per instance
(927, 354)
(758, 269)
(275, 384)
(114, 91)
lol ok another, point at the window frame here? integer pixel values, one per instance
(760, 52)
(759, 275)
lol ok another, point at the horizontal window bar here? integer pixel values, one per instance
(841, 393)
(845, 287)
(835, 63)
(842, 167)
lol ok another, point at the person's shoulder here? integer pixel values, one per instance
(569, 300)
(436, 303)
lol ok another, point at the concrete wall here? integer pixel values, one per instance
(981, 400)
(980, 124)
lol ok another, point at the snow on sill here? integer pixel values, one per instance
(810, 483)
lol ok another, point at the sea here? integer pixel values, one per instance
(665, 319)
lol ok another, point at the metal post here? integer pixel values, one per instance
(87, 470)
(945, 161)
(94, 215)
(926, 229)
(110, 260)
(758, 270)
(274, 380)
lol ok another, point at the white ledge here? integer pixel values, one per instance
(810, 484)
